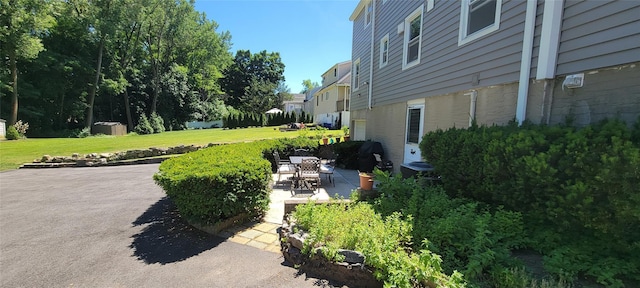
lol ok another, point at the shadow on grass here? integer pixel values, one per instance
(167, 238)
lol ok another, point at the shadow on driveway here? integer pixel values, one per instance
(168, 238)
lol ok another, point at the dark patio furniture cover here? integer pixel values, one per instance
(366, 159)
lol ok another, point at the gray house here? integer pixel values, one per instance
(428, 64)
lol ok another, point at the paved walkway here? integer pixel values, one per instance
(264, 235)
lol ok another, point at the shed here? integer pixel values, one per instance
(109, 128)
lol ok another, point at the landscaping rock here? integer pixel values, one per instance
(351, 256)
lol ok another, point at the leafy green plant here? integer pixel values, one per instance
(157, 123)
(217, 183)
(82, 133)
(347, 154)
(12, 133)
(576, 188)
(468, 235)
(385, 242)
(144, 126)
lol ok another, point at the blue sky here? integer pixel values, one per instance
(310, 35)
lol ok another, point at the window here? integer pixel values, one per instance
(384, 51)
(335, 72)
(326, 96)
(478, 18)
(356, 74)
(367, 14)
(412, 38)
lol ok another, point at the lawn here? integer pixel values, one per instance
(15, 153)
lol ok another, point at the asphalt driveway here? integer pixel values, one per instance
(113, 227)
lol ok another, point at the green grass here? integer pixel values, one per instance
(17, 152)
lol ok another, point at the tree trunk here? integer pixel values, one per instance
(14, 79)
(156, 88)
(127, 109)
(94, 88)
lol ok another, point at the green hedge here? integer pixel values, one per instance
(577, 188)
(220, 182)
(347, 153)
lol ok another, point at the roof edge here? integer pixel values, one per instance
(358, 8)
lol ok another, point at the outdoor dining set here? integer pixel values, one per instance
(304, 170)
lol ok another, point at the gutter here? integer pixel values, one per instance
(373, 28)
(525, 61)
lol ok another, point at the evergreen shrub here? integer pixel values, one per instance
(12, 133)
(144, 126)
(577, 188)
(347, 153)
(214, 184)
(157, 123)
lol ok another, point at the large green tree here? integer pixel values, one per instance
(250, 83)
(22, 25)
(110, 60)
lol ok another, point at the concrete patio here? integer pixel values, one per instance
(345, 182)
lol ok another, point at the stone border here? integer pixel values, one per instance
(129, 157)
(353, 272)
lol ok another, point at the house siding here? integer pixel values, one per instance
(606, 93)
(598, 34)
(598, 38)
(444, 66)
(360, 50)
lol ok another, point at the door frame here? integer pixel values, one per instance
(412, 150)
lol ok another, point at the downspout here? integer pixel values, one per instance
(548, 52)
(373, 28)
(472, 106)
(525, 61)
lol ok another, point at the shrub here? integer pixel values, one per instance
(577, 188)
(144, 126)
(12, 133)
(383, 241)
(82, 133)
(156, 123)
(21, 127)
(468, 235)
(217, 183)
(347, 154)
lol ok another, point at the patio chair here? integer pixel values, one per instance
(301, 152)
(309, 173)
(284, 167)
(327, 170)
(328, 167)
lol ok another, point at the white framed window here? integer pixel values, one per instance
(356, 74)
(384, 51)
(367, 14)
(478, 18)
(412, 38)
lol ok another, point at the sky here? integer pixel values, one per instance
(310, 35)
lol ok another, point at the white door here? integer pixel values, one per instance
(358, 131)
(414, 132)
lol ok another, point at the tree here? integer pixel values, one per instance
(250, 82)
(22, 24)
(307, 86)
(283, 92)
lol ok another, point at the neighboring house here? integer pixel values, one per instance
(424, 65)
(331, 107)
(309, 101)
(296, 104)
